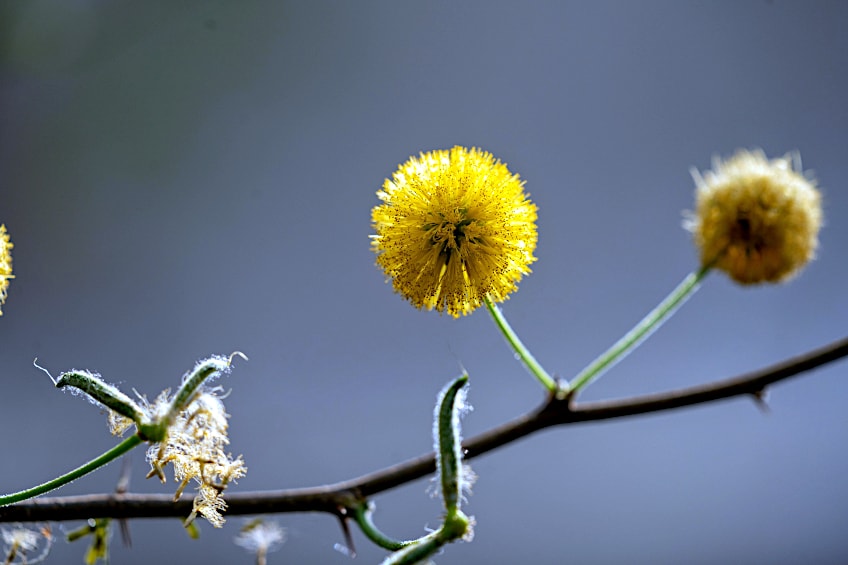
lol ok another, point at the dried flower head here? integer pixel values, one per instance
(117, 423)
(261, 537)
(26, 545)
(455, 226)
(195, 446)
(5, 264)
(757, 220)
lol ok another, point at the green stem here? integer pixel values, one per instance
(523, 353)
(416, 553)
(455, 527)
(96, 463)
(362, 515)
(640, 331)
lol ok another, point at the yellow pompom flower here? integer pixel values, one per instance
(455, 226)
(5, 264)
(756, 219)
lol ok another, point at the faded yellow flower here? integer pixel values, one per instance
(261, 537)
(5, 264)
(26, 544)
(756, 219)
(455, 226)
(196, 446)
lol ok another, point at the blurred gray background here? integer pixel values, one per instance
(189, 178)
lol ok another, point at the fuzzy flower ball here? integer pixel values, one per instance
(756, 219)
(5, 264)
(454, 227)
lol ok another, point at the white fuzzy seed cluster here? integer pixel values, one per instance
(195, 445)
(26, 545)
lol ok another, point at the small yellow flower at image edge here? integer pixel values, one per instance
(756, 219)
(5, 264)
(455, 226)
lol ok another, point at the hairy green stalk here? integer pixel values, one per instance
(362, 515)
(92, 465)
(640, 331)
(520, 349)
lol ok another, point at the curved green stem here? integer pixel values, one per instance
(523, 353)
(92, 465)
(640, 331)
(362, 515)
(455, 527)
(417, 552)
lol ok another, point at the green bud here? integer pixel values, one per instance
(446, 434)
(205, 370)
(101, 392)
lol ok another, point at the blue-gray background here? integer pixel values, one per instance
(190, 178)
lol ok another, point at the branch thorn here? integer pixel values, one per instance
(348, 548)
(759, 397)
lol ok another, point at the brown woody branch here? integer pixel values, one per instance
(339, 497)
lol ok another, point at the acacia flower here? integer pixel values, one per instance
(454, 226)
(756, 219)
(5, 264)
